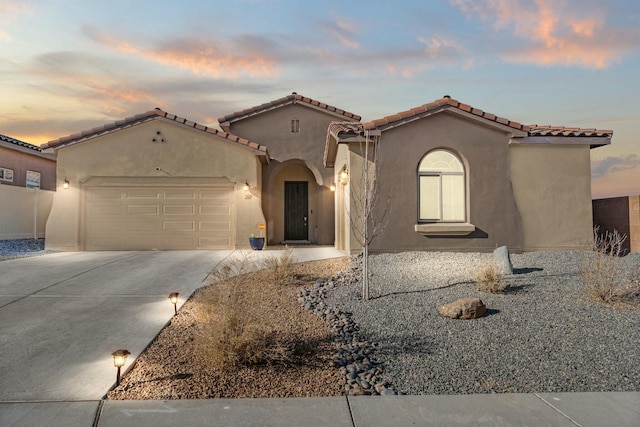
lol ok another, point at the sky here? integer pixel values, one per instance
(70, 65)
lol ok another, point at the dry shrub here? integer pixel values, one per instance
(280, 267)
(236, 265)
(604, 278)
(489, 280)
(230, 334)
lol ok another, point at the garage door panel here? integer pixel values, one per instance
(133, 218)
(179, 209)
(142, 193)
(180, 194)
(178, 225)
(143, 210)
(214, 226)
(143, 225)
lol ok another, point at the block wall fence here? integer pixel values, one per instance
(622, 214)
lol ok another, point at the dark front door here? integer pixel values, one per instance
(296, 217)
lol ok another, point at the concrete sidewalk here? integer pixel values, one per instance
(517, 410)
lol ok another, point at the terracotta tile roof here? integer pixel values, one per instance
(145, 117)
(294, 98)
(19, 143)
(446, 102)
(535, 130)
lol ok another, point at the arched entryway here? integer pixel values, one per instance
(298, 208)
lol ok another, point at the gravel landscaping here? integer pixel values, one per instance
(542, 335)
(21, 248)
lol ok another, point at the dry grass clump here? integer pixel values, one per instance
(606, 282)
(280, 267)
(231, 334)
(489, 280)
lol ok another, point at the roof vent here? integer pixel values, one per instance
(294, 93)
(447, 96)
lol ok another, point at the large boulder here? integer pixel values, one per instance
(464, 308)
(503, 260)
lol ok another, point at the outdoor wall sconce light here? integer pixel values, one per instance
(119, 359)
(344, 177)
(246, 186)
(173, 297)
(65, 184)
(332, 187)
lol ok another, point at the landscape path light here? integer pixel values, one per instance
(119, 359)
(173, 297)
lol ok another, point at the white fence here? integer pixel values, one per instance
(23, 212)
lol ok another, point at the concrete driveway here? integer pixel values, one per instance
(63, 314)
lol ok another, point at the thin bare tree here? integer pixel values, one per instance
(371, 216)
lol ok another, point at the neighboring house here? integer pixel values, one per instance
(155, 181)
(25, 165)
(458, 178)
(297, 199)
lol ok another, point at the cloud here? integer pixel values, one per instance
(612, 164)
(437, 51)
(244, 56)
(554, 32)
(342, 30)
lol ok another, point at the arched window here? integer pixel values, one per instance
(441, 188)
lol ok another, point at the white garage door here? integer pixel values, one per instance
(136, 218)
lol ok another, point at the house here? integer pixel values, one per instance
(297, 197)
(25, 165)
(27, 181)
(453, 177)
(155, 181)
(450, 177)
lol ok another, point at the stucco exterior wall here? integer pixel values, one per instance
(273, 129)
(491, 204)
(186, 153)
(21, 162)
(552, 184)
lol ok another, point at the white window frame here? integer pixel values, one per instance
(440, 174)
(6, 174)
(33, 175)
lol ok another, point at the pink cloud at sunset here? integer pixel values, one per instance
(200, 58)
(552, 32)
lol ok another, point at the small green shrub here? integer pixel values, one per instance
(489, 280)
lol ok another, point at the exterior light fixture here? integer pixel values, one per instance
(65, 184)
(119, 359)
(173, 297)
(246, 186)
(344, 177)
(332, 187)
